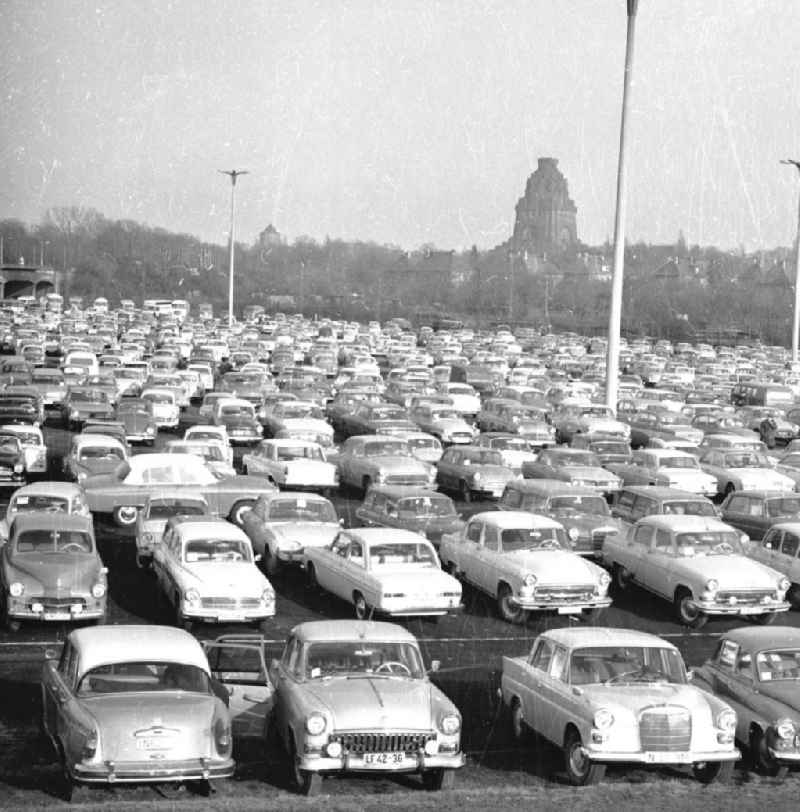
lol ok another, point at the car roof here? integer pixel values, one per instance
(403, 491)
(192, 527)
(578, 637)
(759, 637)
(763, 493)
(380, 535)
(680, 523)
(510, 519)
(550, 486)
(103, 645)
(49, 488)
(335, 630)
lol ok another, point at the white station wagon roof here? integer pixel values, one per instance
(336, 630)
(678, 523)
(578, 637)
(104, 645)
(385, 535)
(511, 519)
(211, 527)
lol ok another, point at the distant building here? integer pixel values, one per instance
(270, 237)
(546, 213)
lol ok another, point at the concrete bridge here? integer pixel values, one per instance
(27, 280)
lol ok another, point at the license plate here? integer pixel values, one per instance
(57, 616)
(381, 760)
(155, 743)
(665, 758)
(568, 610)
(750, 610)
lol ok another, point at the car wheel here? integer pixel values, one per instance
(707, 772)
(465, 491)
(203, 788)
(763, 761)
(729, 489)
(519, 729)
(270, 562)
(793, 595)
(506, 608)
(125, 515)
(687, 611)
(306, 782)
(438, 779)
(311, 576)
(581, 771)
(143, 562)
(622, 578)
(360, 606)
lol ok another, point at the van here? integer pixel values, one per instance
(762, 394)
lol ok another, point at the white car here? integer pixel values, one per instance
(744, 470)
(33, 446)
(152, 519)
(46, 496)
(377, 569)
(206, 569)
(208, 433)
(211, 452)
(667, 467)
(422, 445)
(166, 410)
(294, 464)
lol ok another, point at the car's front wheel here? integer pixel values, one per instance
(438, 779)
(581, 771)
(125, 515)
(239, 509)
(306, 782)
(707, 772)
(507, 608)
(687, 610)
(763, 761)
(622, 578)
(360, 606)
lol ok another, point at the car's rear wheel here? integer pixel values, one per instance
(581, 771)
(519, 728)
(707, 772)
(125, 515)
(239, 509)
(438, 779)
(181, 621)
(360, 606)
(622, 578)
(506, 607)
(687, 610)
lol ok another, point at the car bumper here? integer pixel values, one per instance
(421, 611)
(135, 772)
(230, 616)
(61, 614)
(412, 763)
(560, 607)
(11, 481)
(662, 756)
(751, 609)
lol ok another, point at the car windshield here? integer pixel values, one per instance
(40, 502)
(361, 658)
(301, 510)
(53, 541)
(578, 458)
(778, 665)
(746, 459)
(785, 506)
(689, 507)
(708, 542)
(611, 448)
(565, 505)
(516, 539)
(167, 508)
(423, 506)
(386, 447)
(621, 665)
(420, 443)
(142, 676)
(679, 462)
(215, 550)
(510, 444)
(392, 554)
(101, 453)
(299, 452)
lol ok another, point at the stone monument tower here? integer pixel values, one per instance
(546, 213)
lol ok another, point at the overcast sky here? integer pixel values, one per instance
(400, 121)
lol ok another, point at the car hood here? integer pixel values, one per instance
(369, 703)
(307, 534)
(784, 691)
(555, 566)
(92, 467)
(586, 472)
(628, 698)
(231, 577)
(584, 522)
(729, 571)
(58, 572)
(136, 422)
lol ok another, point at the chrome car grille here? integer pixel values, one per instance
(565, 592)
(461, 437)
(358, 743)
(56, 604)
(229, 603)
(598, 539)
(419, 480)
(749, 596)
(665, 727)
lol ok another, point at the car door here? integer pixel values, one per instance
(785, 556)
(635, 549)
(743, 511)
(657, 563)
(238, 663)
(532, 702)
(164, 561)
(554, 696)
(766, 550)
(731, 674)
(467, 552)
(62, 716)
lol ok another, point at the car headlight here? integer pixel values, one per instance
(191, 596)
(268, 597)
(73, 414)
(316, 724)
(476, 477)
(18, 467)
(16, 589)
(573, 533)
(785, 728)
(605, 580)
(450, 724)
(529, 580)
(98, 590)
(577, 481)
(603, 719)
(726, 720)
(712, 585)
(784, 584)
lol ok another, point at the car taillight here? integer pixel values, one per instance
(222, 736)
(89, 746)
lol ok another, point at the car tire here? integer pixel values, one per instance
(465, 491)
(361, 607)
(520, 731)
(622, 578)
(581, 772)
(143, 562)
(763, 762)
(507, 610)
(239, 509)
(687, 613)
(709, 772)
(729, 489)
(181, 621)
(440, 778)
(793, 595)
(306, 783)
(311, 576)
(125, 515)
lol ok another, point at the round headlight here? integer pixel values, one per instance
(603, 719)
(268, 596)
(316, 724)
(98, 590)
(192, 595)
(784, 584)
(16, 589)
(785, 728)
(334, 749)
(605, 579)
(529, 580)
(450, 724)
(712, 585)
(476, 477)
(573, 533)
(726, 720)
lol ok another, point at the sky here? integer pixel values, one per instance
(402, 122)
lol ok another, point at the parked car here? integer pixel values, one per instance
(443, 422)
(282, 525)
(388, 571)
(135, 704)
(524, 562)
(206, 570)
(299, 420)
(91, 454)
(757, 671)
(754, 512)
(571, 465)
(582, 512)
(354, 696)
(210, 451)
(82, 403)
(570, 418)
(422, 445)
(122, 492)
(743, 469)
(606, 449)
(33, 446)
(471, 470)
(614, 696)
(634, 502)
(779, 549)
(666, 467)
(239, 418)
(50, 570)
(12, 460)
(46, 497)
(293, 464)
(207, 433)
(699, 565)
(166, 409)
(379, 459)
(137, 416)
(514, 449)
(151, 520)
(416, 509)
(375, 418)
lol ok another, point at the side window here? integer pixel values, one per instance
(662, 541)
(357, 553)
(772, 540)
(558, 665)
(474, 532)
(790, 544)
(727, 653)
(744, 665)
(643, 534)
(738, 504)
(755, 507)
(542, 655)
(625, 500)
(491, 538)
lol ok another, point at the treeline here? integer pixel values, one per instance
(670, 290)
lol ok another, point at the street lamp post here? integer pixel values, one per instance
(796, 315)
(615, 311)
(233, 174)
